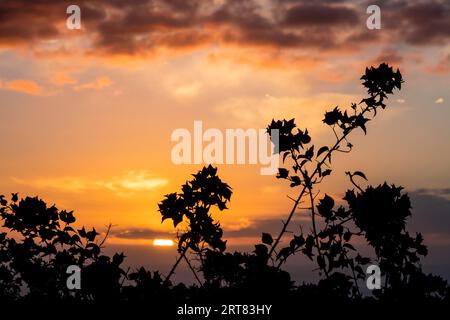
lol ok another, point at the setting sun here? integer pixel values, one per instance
(163, 242)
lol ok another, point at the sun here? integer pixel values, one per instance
(163, 242)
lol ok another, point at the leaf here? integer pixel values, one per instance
(118, 259)
(261, 250)
(284, 253)
(332, 117)
(360, 174)
(322, 150)
(267, 238)
(90, 236)
(282, 173)
(82, 232)
(309, 153)
(326, 173)
(297, 242)
(295, 181)
(325, 206)
(362, 260)
(14, 197)
(94, 249)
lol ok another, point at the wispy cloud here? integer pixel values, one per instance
(439, 100)
(23, 86)
(133, 181)
(124, 185)
(97, 84)
(61, 79)
(187, 90)
(258, 111)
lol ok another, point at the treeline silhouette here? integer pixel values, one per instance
(40, 242)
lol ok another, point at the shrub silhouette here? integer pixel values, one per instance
(40, 241)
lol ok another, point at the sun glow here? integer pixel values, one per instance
(163, 242)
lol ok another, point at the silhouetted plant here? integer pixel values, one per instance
(329, 243)
(41, 245)
(193, 204)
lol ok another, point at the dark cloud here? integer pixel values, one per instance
(430, 214)
(430, 211)
(119, 26)
(436, 191)
(389, 56)
(316, 14)
(255, 229)
(20, 21)
(425, 22)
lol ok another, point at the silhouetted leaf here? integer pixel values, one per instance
(295, 181)
(325, 206)
(261, 250)
(327, 172)
(360, 174)
(322, 150)
(267, 238)
(282, 173)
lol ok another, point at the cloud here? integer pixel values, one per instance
(62, 79)
(254, 228)
(133, 181)
(97, 84)
(389, 56)
(258, 111)
(419, 22)
(67, 184)
(442, 66)
(430, 211)
(187, 90)
(435, 192)
(23, 86)
(124, 185)
(430, 216)
(140, 233)
(320, 14)
(144, 26)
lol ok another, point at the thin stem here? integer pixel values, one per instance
(355, 279)
(193, 270)
(172, 271)
(313, 218)
(106, 235)
(353, 182)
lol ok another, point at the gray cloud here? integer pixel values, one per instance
(271, 226)
(431, 211)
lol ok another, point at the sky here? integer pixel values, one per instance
(86, 116)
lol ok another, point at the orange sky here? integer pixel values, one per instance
(86, 115)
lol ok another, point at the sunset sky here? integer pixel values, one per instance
(86, 115)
